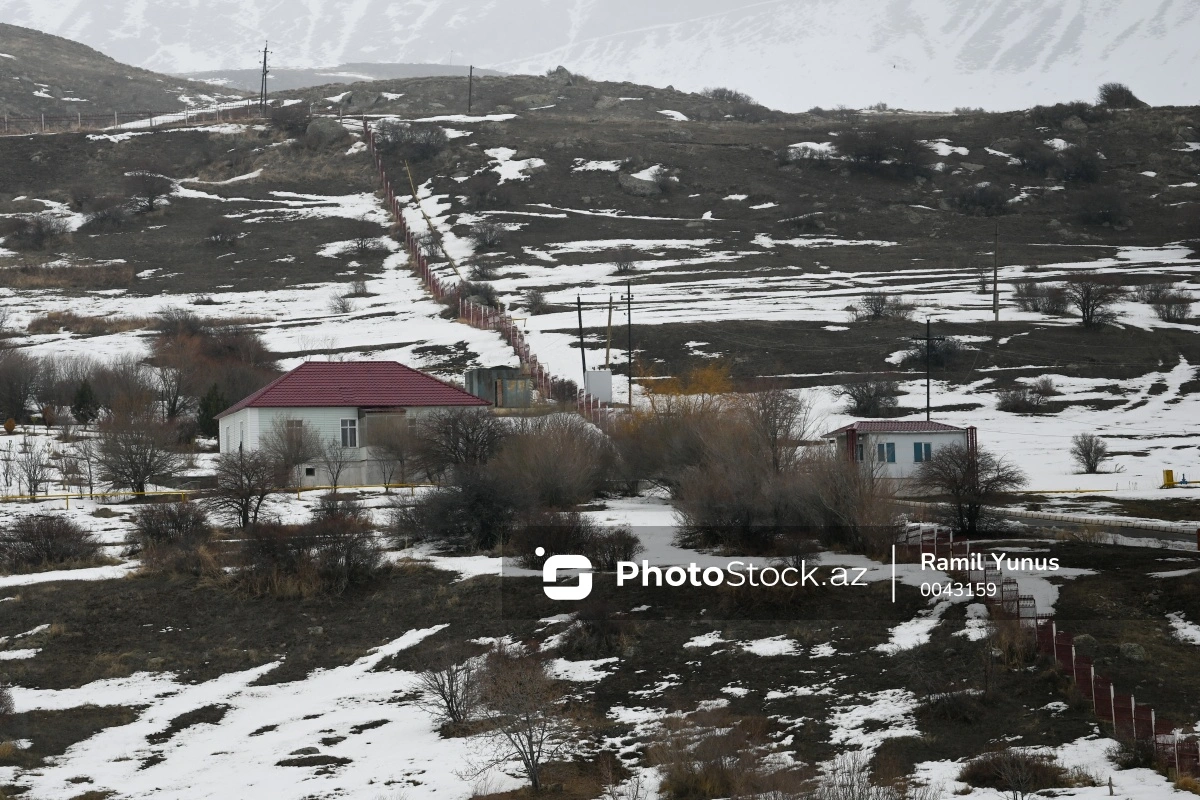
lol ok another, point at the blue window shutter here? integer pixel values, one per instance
(928, 450)
(880, 452)
(918, 452)
(891, 453)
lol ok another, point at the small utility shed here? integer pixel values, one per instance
(341, 400)
(897, 446)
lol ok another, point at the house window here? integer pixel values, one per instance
(350, 433)
(228, 439)
(293, 424)
(310, 472)
(922, 451)
(860, 454)
(886, 452)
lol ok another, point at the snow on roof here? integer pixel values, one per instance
(359, 384)
(893, 426)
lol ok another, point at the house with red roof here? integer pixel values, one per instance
(897, 448)
(343, 401)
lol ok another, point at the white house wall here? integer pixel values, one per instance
(905, 465)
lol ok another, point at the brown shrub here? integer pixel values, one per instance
(36, 542)
(55, 321)
(37, 276)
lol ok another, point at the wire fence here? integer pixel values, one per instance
(476, 314)
(1175, 747)
(15, 125)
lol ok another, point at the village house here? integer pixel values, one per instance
(342, 401)
(897, 447)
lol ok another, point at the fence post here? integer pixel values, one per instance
(1133, 716)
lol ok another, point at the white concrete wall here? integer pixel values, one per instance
(249, 425)
(904, 466)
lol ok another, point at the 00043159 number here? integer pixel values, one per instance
(958, 589)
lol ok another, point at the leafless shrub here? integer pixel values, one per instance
(36, 231)
(487, 234)
(1094, 299)
(1017, 773)
(723, 95)
(37, 541)
(341, 304)
(524, 708)
(875, 306)
(623, 259)
(556, 461)
(1020, 400)
(145, 189)
(291, 120)
(567, 533)
(411, 141)
(326, 557)
(172, 537)
(984, 199)
(1043, 298)
(475, 510)
(938, 353)
(33, 464)
(1118, 95)
(1103, 206)
(245, 479)
(535, 302)
(336, 457)
(429, 244)
(1089, 452)
(451, 693)
(222, 232)
(290, 444)
(483, 271)
(872, 396)
(461, 437)
(1174, 305)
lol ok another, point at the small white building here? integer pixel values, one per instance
(341, 400)
(898, 447)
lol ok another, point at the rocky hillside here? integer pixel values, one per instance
(44, 74)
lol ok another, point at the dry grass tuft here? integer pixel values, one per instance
(39, 276)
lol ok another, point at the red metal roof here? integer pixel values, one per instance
(893, 426)
(357, 384)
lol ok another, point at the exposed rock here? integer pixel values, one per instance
(326, 130)
(638, 187)
(1074, 124)
(1004, 145)
(971, 167)
(605, 103)
(305, 751)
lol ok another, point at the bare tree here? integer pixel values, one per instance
(133, 450)
(525, 710)
(392, 446)
(291, 444)
(19, 374)
(336, 458)
(145, 189)
(873, 396)
(7, 464)
(458, 437)
(1089, 451)
(1094, 300)
(245, 479)
(972, 482)
(779, 419)
(87, 451)
(33, 464)
(451, 693)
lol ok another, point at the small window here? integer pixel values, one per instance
(860, 455)
(886, 452)
(349, 433)
(293, 424)
(310, 472)
(922, 451)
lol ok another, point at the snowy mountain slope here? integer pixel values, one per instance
(791, 54)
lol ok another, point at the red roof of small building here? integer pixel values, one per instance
(357, 384)
(893, 426)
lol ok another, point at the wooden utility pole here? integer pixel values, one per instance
(996, 272)
(470, 85)
(582, 352)
(929, 340)
(608, 345)
(629, 347)
(262, 92)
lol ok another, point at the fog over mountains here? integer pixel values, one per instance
(790, 54)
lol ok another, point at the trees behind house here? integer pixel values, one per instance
(134, 450)
(393, 449)
(290, 444)
(245, 479)
(971, 482)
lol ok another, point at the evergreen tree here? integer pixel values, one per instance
(84, 407)
(211, 404)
